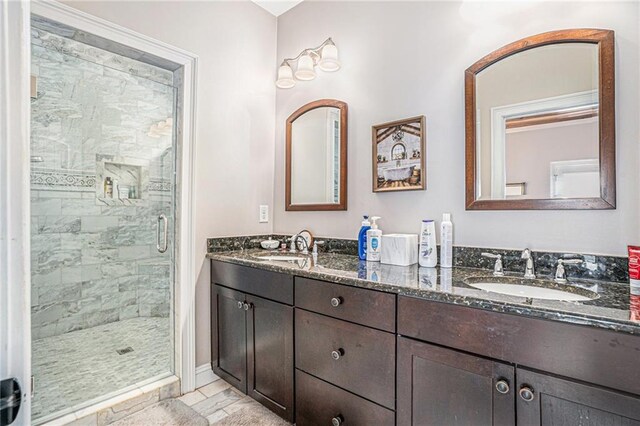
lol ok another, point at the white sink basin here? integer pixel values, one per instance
(529, 291)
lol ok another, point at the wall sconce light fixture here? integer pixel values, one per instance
(324, 57)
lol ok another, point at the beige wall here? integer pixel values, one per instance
(235, 42)
(530, 151)
(402, 59)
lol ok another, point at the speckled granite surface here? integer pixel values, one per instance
(595, 267)
(609, 310)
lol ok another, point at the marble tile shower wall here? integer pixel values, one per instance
(94, 264)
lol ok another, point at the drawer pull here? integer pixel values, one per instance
(247, 306)
(502, 386)
(239, 304)
(526, 393)
(337, 354)
(337, 420)
(336, 301)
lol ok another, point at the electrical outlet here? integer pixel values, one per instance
(264, 214)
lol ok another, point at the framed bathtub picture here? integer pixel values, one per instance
(399, 155)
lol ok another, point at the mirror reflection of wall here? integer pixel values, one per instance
(537, 124)
(315, 157)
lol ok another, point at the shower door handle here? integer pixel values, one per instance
(162, 245)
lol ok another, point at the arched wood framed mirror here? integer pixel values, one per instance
(540, 124)
(316, 157)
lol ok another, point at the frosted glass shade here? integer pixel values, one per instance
(329, 59)
(305, 69)
(285, 77)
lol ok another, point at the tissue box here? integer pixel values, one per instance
(399, 249)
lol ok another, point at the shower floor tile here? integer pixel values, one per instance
(75, 367)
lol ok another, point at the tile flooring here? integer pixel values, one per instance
(83, 365)
(218, 400)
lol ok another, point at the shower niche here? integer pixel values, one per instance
(121, 181)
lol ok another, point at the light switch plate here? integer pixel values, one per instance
(264, 214)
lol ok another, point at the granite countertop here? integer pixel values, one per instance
(610, 310)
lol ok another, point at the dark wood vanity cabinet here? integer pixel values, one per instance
(270, 355)
(557, 374)
(549, 400)
(365, 357)
(438, 386)
(345, 355)
(253, 337)
(231, 336)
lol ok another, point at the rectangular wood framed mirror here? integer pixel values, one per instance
(540, 124)
(316, 157)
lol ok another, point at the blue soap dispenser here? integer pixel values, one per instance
(362, 238)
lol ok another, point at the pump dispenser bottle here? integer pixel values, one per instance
(374, 241)
(362, 238)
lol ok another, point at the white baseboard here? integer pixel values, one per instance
(204, 375)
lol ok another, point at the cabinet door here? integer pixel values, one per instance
(547, 400)
(231, 336)
(438, 386)
(270, 355)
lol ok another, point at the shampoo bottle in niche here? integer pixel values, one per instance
(446, 241)
(108, 187)
(428, 256)
(362, 238)
(374, 241)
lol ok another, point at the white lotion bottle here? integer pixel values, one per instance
(428, 256)
(446, 241)
(374, 241)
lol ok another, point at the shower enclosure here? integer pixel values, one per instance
(102, 207)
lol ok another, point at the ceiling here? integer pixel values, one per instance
(277, 7)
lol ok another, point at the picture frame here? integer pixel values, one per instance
(399, 152)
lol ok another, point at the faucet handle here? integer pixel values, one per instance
(561, 273)
(315, 246)
(498, 271)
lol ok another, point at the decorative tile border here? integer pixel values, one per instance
(160, 185)
(64, 179)
(606, 268)
(79, 180)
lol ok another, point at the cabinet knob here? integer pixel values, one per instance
(247, 306)
(337, 420)
(336, 301)
(239, 304)
(526, 393)
(502, 386)
(337, 354)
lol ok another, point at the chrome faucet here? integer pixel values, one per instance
(497, 267)
(561, 273)
(529, 272)
(295, 240)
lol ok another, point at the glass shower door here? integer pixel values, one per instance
(102, 224)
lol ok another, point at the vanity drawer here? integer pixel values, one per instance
(356, 358)
(318, 403)
(367, 307)
(267, 284)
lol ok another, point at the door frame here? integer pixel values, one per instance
(184, 286)
(15, 200)
(499, 116)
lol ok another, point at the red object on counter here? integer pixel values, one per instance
(634, 308)
(634, 282)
